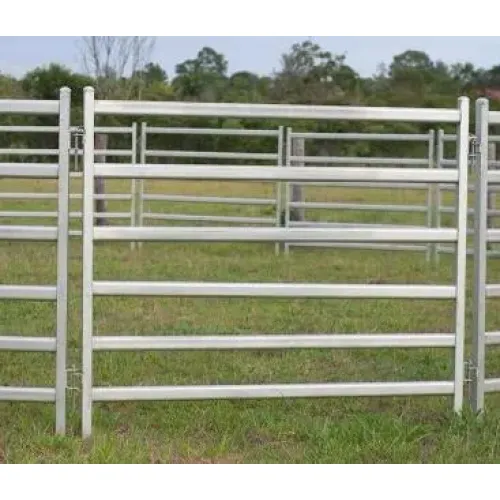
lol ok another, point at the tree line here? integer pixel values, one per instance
(307, 74)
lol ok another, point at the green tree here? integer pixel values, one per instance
(151, 73)
(311, 75)
(202, 78)
(10, 88)
(44, 83)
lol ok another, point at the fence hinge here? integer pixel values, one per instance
(474, 150)
(73, 379)
(78, 131)
(470, 371)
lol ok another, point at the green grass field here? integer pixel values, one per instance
(418, 429)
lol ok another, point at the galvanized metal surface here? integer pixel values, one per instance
(59, 234)
(147, 211)
(455, 291)
(262, 174)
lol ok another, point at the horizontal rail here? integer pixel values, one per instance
(287, 111)
(492, 385)
(272, 290)
(492, 338)
(107, 130)
(208, 199)
(371, 185)
(452, 163)
(348, 136)
(237, 342)
(212, 131)
(452, 210)
(444, 162)
(358, 160)
(29, 170)
(493, 290)
(271, 391)
(453, 137)
(113, 130)
(493, 235)
(209, 218)
(364, 246)
(39, 394)
(27, 152)
(354, 225)
(29, 214)
(493, 177)
(31, 233)
(29, 128)
(107, 197)
(494, 117)
(113, 152)
(275, 234)
(28, 107)
(212, 155)
(358, 207)
(259, 173)
(35, 344)
(28, 292)
(28, 196)
(104, 152)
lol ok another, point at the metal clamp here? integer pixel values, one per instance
(474, 149)
(74, 376)
(470, 372)
(76, 135)
(77, 131)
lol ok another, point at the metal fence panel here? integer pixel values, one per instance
(481, 237)
(58, 234)
(28, 170)
(91, 288)
(293, 189)
(274, 158)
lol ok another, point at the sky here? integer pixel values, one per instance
(257, 54)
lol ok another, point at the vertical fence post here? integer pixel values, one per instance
(439, 192)
(62, 256)
(461, 249)
(141, 181)
(133, 194)
(480, 259)
(492, 156)
(431, 199)
(87, 259)
(279, 186)
(288, 154)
